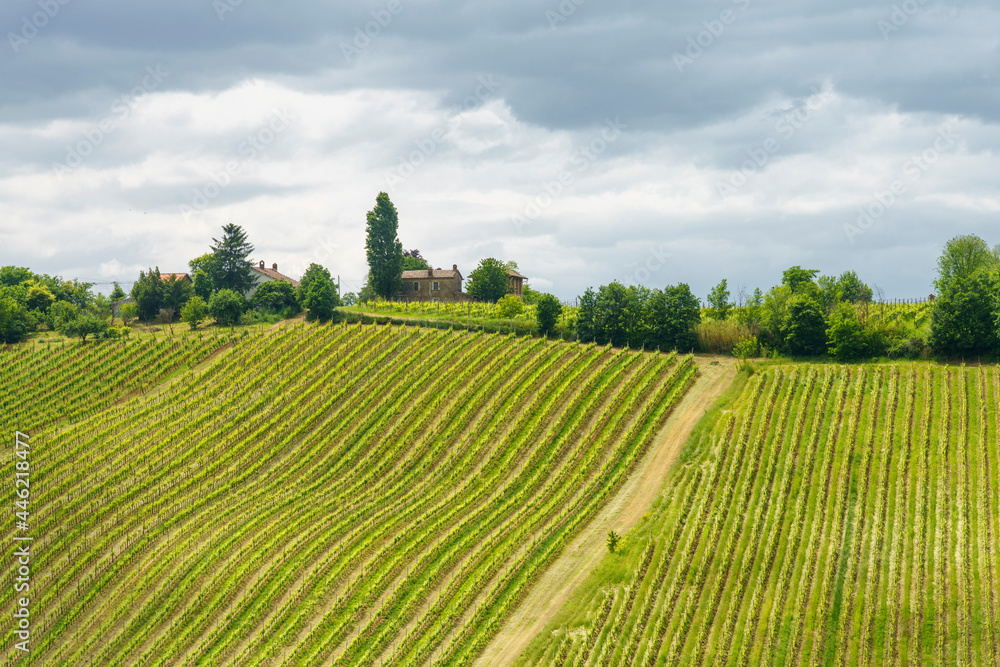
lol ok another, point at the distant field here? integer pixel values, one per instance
(833, 516)
(312, 494)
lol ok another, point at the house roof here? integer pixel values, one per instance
(274, 275)
(515, 274)
(417, 274)
(175, 276)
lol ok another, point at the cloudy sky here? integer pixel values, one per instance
(588, 140)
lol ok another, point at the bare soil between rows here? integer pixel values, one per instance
(622, 513)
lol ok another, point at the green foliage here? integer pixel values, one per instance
(529, 294)
(83, 326)
(718, 300)
(964, 257)
(845, 335)
(117, 332)
(614, 539)
(350, 299)
(804, 330)
(547, 312)
(61, 312)
(610, 320)
(412, 261)
(850, 288)
(674, 312)
(15, 321)
(965, 318)
(117, 293)
(274, 295)
(148, 294)
(15, 275)
(320, 301)
(128, 312)
(39, 298)
(748, 347)
(229, 267)
(750, 313)
(796, 278)
(585, 323)
(176, 292)
(194, 312)
(383, 249)
(317, 293)
(509, 306)
(227, 306)
(489, 281)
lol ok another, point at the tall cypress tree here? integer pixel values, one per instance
(385, 252)
(230, 263)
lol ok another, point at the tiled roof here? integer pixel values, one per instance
(515, 274)
(175, 276)
(417, 274)
(274, 275)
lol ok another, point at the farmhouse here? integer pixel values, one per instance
(434, 285)
(262, 274)
(516, 283)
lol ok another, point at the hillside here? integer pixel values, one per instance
(318, 494)
(833, 516)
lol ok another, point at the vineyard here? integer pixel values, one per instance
(833, 516)
(341, 495)
(43, 384)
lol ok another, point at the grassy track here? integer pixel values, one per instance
(834, 516)
(317, 494)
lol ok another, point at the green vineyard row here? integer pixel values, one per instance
(833, 516)
(317, 494)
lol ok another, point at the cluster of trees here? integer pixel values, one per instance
(29, 300)
(489, 281)
(966, 316)
(811, 315)
(221, 279)
(639, 317)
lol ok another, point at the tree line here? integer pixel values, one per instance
(810, 315)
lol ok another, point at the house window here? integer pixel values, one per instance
(436, 286)
(416, 287)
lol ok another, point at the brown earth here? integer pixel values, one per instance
(622, 513)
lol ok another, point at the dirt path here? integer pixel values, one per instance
(622, 513)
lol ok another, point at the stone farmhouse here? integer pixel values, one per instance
(445, 286)
(434, 285)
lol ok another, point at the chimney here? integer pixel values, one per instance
(430, 273)
(454, 267)
(274, 266)
(262, 264)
